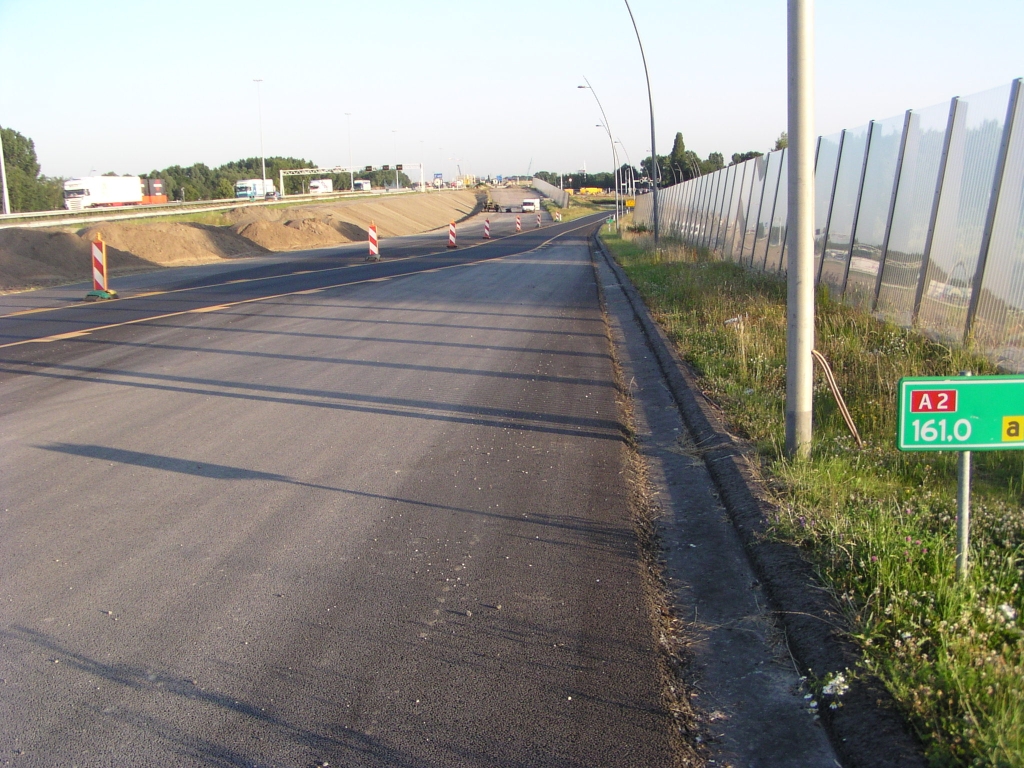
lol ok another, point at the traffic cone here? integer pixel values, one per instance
(451, 235)
(487, 229)
(519, 224)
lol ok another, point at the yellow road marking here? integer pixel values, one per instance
(61, 336)
(209, 309)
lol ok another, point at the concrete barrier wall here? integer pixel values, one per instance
(919, 218)
(550, 191)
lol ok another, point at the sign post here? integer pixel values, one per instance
(966, 413)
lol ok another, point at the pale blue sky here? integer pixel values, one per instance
(131, 86)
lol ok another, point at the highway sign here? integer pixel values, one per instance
(975, 413)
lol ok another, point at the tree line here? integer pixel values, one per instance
(681, 164)
(30, 190)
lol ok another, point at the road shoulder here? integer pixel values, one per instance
(751, 606)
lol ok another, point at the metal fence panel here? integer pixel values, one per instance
(832, 270)
(733, 222)
(873, 217)
(756, 195)
(999, 326)
(764, 219)
(963, 205)
(777, 233)
(723, 208)
(910, 219)
(826, 165)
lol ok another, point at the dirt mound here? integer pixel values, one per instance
(172, 244)
(346, 221)
(38, 257)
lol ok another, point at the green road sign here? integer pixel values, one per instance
(965, 413)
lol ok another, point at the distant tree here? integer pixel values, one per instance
(783, 141)
(27, 188)
(715, 162)
(741, 157)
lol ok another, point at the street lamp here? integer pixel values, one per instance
(395, 135)
(351, 168)
(629, 162)
(259, 106)
(608, 130)
(650, 102)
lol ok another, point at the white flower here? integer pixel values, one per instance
(1008, 611)
(835, 685)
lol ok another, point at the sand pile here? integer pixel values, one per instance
(39, 257)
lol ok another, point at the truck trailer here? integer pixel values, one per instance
(107, 191)
(254, 189)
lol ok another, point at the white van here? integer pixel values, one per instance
(531, 204)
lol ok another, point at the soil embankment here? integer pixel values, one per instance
(32, 258)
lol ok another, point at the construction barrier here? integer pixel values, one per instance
(99, 272)
(487, 229)
(374, 247)
(451, 235)
(538, 221)
(519, 224)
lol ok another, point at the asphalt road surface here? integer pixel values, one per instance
(305, 510)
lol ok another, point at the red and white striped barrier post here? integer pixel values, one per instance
(374, 247)
(451, 235)
(519, 224)
(98, 250)
(538, 221)
(487, 229)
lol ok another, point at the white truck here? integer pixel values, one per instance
(362, 185)
(321, 186)
(254, 189)
(98, 191)
(531, 204)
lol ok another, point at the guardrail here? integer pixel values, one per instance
(918, 218)
(120, 213)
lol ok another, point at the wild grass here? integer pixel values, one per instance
(877, 523)
(577, 208)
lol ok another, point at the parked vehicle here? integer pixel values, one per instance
(109, 191)
(321, 186)
(531, 204)
(490, 205)
(254, 188)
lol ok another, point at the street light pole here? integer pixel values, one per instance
(395, 135)
(259, 106)
(800, 274)
(650, 102)
(608, 130)
(3, 178)
(632, 180)
(351, 168)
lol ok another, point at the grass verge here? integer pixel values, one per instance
(577, 208)
(877, 523)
